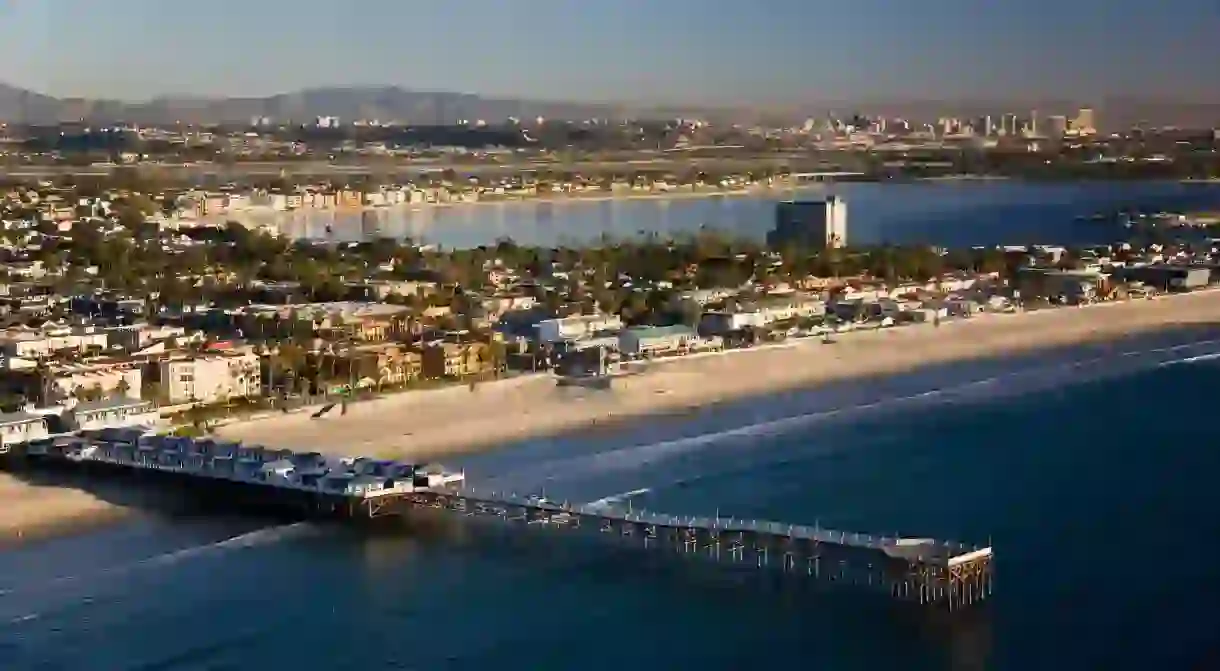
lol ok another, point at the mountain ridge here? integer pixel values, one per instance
(392, 103)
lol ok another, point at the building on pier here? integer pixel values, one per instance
(207, 461)
(922, 570)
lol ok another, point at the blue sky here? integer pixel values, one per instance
(687, 51)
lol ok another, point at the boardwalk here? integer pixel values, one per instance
(919, 569)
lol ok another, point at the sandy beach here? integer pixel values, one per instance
(430, 425)
(33, 511)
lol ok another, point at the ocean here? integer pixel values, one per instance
(1091, 470)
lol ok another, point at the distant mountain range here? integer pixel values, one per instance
(21, 106)
(383, 103)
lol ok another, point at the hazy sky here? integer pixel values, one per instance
(690, 51)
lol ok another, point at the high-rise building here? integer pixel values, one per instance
(1057, 126)
(1085, 122)
(813, 224)
(1010, 124)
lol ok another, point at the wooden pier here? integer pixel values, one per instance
(920, 570)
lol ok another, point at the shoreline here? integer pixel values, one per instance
(266, 216)
(444, 423)
(451, 422)
(558, 199)
(39, 511)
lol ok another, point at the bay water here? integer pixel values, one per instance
(947, 213)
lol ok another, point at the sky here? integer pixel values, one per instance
(719, 52)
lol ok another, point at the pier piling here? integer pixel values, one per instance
(923, 571)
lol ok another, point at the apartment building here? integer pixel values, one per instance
(35, 343)
(68, 380)
(211, 378)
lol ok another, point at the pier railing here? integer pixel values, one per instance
(928, 570)
(911, 549)
(925, 570)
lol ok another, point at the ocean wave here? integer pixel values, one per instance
(616, 499)
(1202, 358)
(1043, 377)
(259, 537)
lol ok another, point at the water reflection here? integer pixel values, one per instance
(951, 214)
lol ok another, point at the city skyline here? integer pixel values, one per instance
(779, 52)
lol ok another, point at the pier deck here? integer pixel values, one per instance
(925, 570)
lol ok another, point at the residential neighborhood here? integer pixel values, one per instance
(106, 306)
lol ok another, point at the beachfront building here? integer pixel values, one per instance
(784, 307)
(579, 327)
(762, 312)
(374, 364)
(1074, 286)
(22, 427)
(661, 340)
(453, 360)
(117, 411)
(210, 379)
(1167, 277)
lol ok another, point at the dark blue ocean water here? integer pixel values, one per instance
(1092, 471)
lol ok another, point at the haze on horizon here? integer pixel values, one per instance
(640, 51)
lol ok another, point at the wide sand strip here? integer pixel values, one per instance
(29, 511)
(433, 424)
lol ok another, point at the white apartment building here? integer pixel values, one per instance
(32, 344)
(576, 328)
(211, 378)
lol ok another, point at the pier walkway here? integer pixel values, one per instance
(924, 570)
(920, 569)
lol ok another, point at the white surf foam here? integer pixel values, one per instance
(1049, 376)
(1202, 358)
(617, 499)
